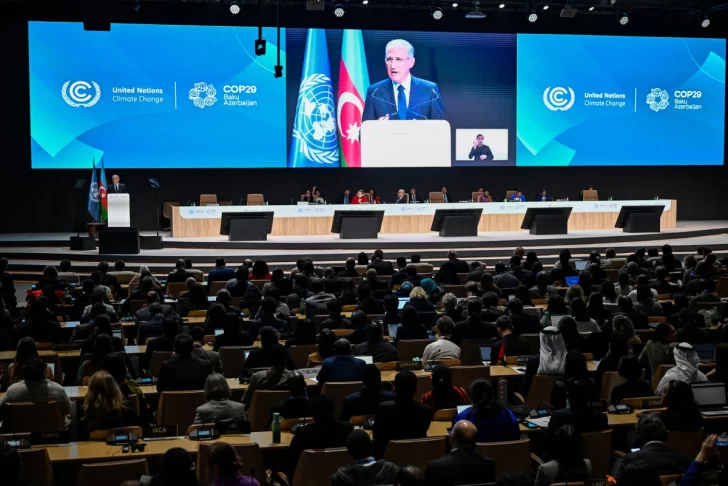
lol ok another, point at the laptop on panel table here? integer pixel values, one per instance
(710, 398)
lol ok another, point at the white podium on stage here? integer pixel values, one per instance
(119, 214)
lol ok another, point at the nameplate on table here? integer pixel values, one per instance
(600, 405)
(310, 373)
(58, 437)
(597, 482)
(522, 360)
(651, 403)
(408, 365)
(163, 431)
(70, 346)
(230, 428)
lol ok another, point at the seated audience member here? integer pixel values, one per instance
(350, 270)
(651, 437)
(305, 333)
(365, 469)
(542, 289)
(618, 349)
(26, 349)
(215, 318)
(524, 295)
(509, 344)
(550, 361)
(104, 406)
(579, 415)
(116, 365)
(492, 309)
(685, 315)
(152, 326)
(40, 327)
(221, 273)
(367, 302)
(568, 463)
(376, 346)
(335, 319)
(473, 327)
(378, 287)
(462, 465)
(638, 317)
(572, 293)
(443, 394)
(412, 277)
(584, 323)
(332, 285)
(97, 297)
(297, 404)
(196, 300)
(608, 293)
(418, 300)
(623, 288)
(176, 468)
(682, 414)
(101, 326)
(239, 285)
(662, 286)
(476, 272)
(316, 305)
(219, 407)
(102, 346)
(367, 400)
(268, 318)
(324, 432)
(555, 306)
(391, 310)
(448, 273)
(359, 323)
(348, 295)
(262, 357)
(432, 290)
(180, 273)
(562, 268)
(7, 285)
(410, 327)
(326, 340)
(597, 311)
(165, 342)
(198, 340)
(402, 418)
(189, 285)
(495, 423)
(658, 350)
(232, 334)
(275, 378)
(225, 465)
(523, 322)
(443, 348)
(260, 271)
(36, 388)
(572, 339)
(342, 366)
(135, 284)
(183, 371)
(145, 286)
(99, 286)
(646, 304)
(404, 290)
(450, 305)
(226, 300)
(634, 386)
(705, 296)
(504, 279)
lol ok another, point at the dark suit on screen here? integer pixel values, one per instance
(117, 189)
(425, 101)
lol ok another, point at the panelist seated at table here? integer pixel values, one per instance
(414, 198)
(360, 198)
(401, 197)
(484, 196)
(518, 196)
(345, 197)
(543, 196)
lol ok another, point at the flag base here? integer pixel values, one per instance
(81, 243)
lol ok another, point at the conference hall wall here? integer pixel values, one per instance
(610, 103)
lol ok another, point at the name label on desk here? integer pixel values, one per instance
(310, 373)
(59, 437)
(522, 360)
(409, 365)
(70, 346)
(597, 482)
(601, 405)
(165, 431)
(229, 428)
(651, 403)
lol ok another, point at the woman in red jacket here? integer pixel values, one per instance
(373, 198)
(360, 198)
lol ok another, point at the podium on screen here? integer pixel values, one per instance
(406, 143)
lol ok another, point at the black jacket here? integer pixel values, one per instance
(179, 275)
(379, 472)
(364, 403)
(637, 389)
(460, 467)
(400, 419)
(524, 323)
(242, 339)
(179, 374)
(473, 329)
(449, 271)
(371, 306)
(318, 436)
(398, 277)
(261, 358)
(382, 268)
(475, 275)
(515, 346)
(41, 332)
(662, 458)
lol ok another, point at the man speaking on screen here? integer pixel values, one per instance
(402, 96)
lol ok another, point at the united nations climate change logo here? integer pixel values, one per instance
(203, 95)
(658, 99)
(554, 98)
(315, 120)
(76, 94)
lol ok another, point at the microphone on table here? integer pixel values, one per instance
(432, 360)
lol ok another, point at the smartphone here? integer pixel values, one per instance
(531, 425)
(204, 433)
(147, 380)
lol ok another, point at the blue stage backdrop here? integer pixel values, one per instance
(595, 100)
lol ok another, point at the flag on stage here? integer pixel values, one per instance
(102, 193)
(353, 84)
(314, 142)
(93, 195)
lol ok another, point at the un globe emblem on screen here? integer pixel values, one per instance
(658, 99)
(315, 126)
(94, 193)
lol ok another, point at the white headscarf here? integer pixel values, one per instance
(686, 368)
(552, 353)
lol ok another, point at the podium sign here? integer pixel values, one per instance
(408, 143)
(119, 215)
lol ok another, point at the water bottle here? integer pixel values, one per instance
(303, 306)
(276, 428)
(546, 321)
(503, 391)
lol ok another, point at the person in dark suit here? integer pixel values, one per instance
(262, 357)
(651, 437)
(449, 270)
(462, 465)
(233, 335)
(480, 151)
(145, 313)
(180, 274)
(376, 346)
(509, 343)
(367, 400)
(268, 307)
(274, 378)
(220, 274)
(476, 272)
(562, 269)
(401, 274)
(316, 304)
(367, 303)
(364, 470)
(473, 327)
(523, 323)
(345, 198)
(382, 266)
(685, 316)
(116, 187)
(198, 337)
(183, 371)
(297, 404)
(359, 323)
(580, 415)
(402, 418)
(401, 197)
(40, 326)
(342, 366)
(107, 279)
(402, 96)
(662, 286)
(335, 319)
(165, 342)
(705, 295)
(324, 432)
(634, 386)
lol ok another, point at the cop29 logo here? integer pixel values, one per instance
(79, 93)
(555, 99)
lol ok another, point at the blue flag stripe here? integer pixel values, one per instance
(93, 195)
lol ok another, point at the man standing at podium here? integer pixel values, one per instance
(402, 96)
(116, 187)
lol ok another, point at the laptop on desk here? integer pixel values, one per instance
(581, 264)
(705, 352)
(710, 398)
(485, 352)
(571, 281)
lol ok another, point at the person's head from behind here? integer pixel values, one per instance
(26, 349)
(391, 304)
(625, 304)
(623, 279)
(190, 282)
(170, 328)
(579, 310)
(65, 266)
(350, 264)
(578, 390)
(564, 257)
(363, 292)
(103, 393)
(500, 267)
(650, 428)
(681, 301)
(359, 319)
(464, 435)
(415, 258)
(449, 302)
(103, 346)
(644, 294)
(410, 318)
(405, 385)
(556, 305)
(409, 476)
(268, 337)
(278, 356)
(183, 345)
(362, 258)
(411, 271)
(445, 326)
(224, 297)
(342, 347)
(664, 332)
(630, 369)
(334, 307)
(481, 394)
(401, 262)
(198, 294)
(87, 287)
(568, 447)
(33, 369)
(224, 460)
(575, 365)
(359, 445)
(39, 311)
(618, 345)
(103, 324)
(268, 306)
(115, 365)
(374, 332)
(441, 380)
(216, 388)
(197, 333)
(371, 377)
(308, 267)
(300, 281)
(475, 307)
(679, 397)
(241, 273)
(504, 325)
(326, 341)
(322, 409)
(98, 309)
(515, 306)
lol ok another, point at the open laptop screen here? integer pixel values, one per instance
(485, 353)
(571, 281)
(709, 394)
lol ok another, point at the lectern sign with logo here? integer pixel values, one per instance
(119, 215)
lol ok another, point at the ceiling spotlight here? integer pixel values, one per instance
(476, 13)
(545, 7)
(705, 22)
(502, 5)
(365, 2)
(339, 10)
(436, 13)
(234, 7)
(623, 19)
(455, 5)
(591, 8)
(532, 16)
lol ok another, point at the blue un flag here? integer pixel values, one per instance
(314, 142)
(93, 195)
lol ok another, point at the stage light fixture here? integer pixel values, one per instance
(436, 13)
(532, 16)
(234, 7)
(339, 10)
(476, 13)
(455, 5)
(502, 5)
(705, 22)
(623, 19)
(365, 2)
(591, 8)
(545, 7)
